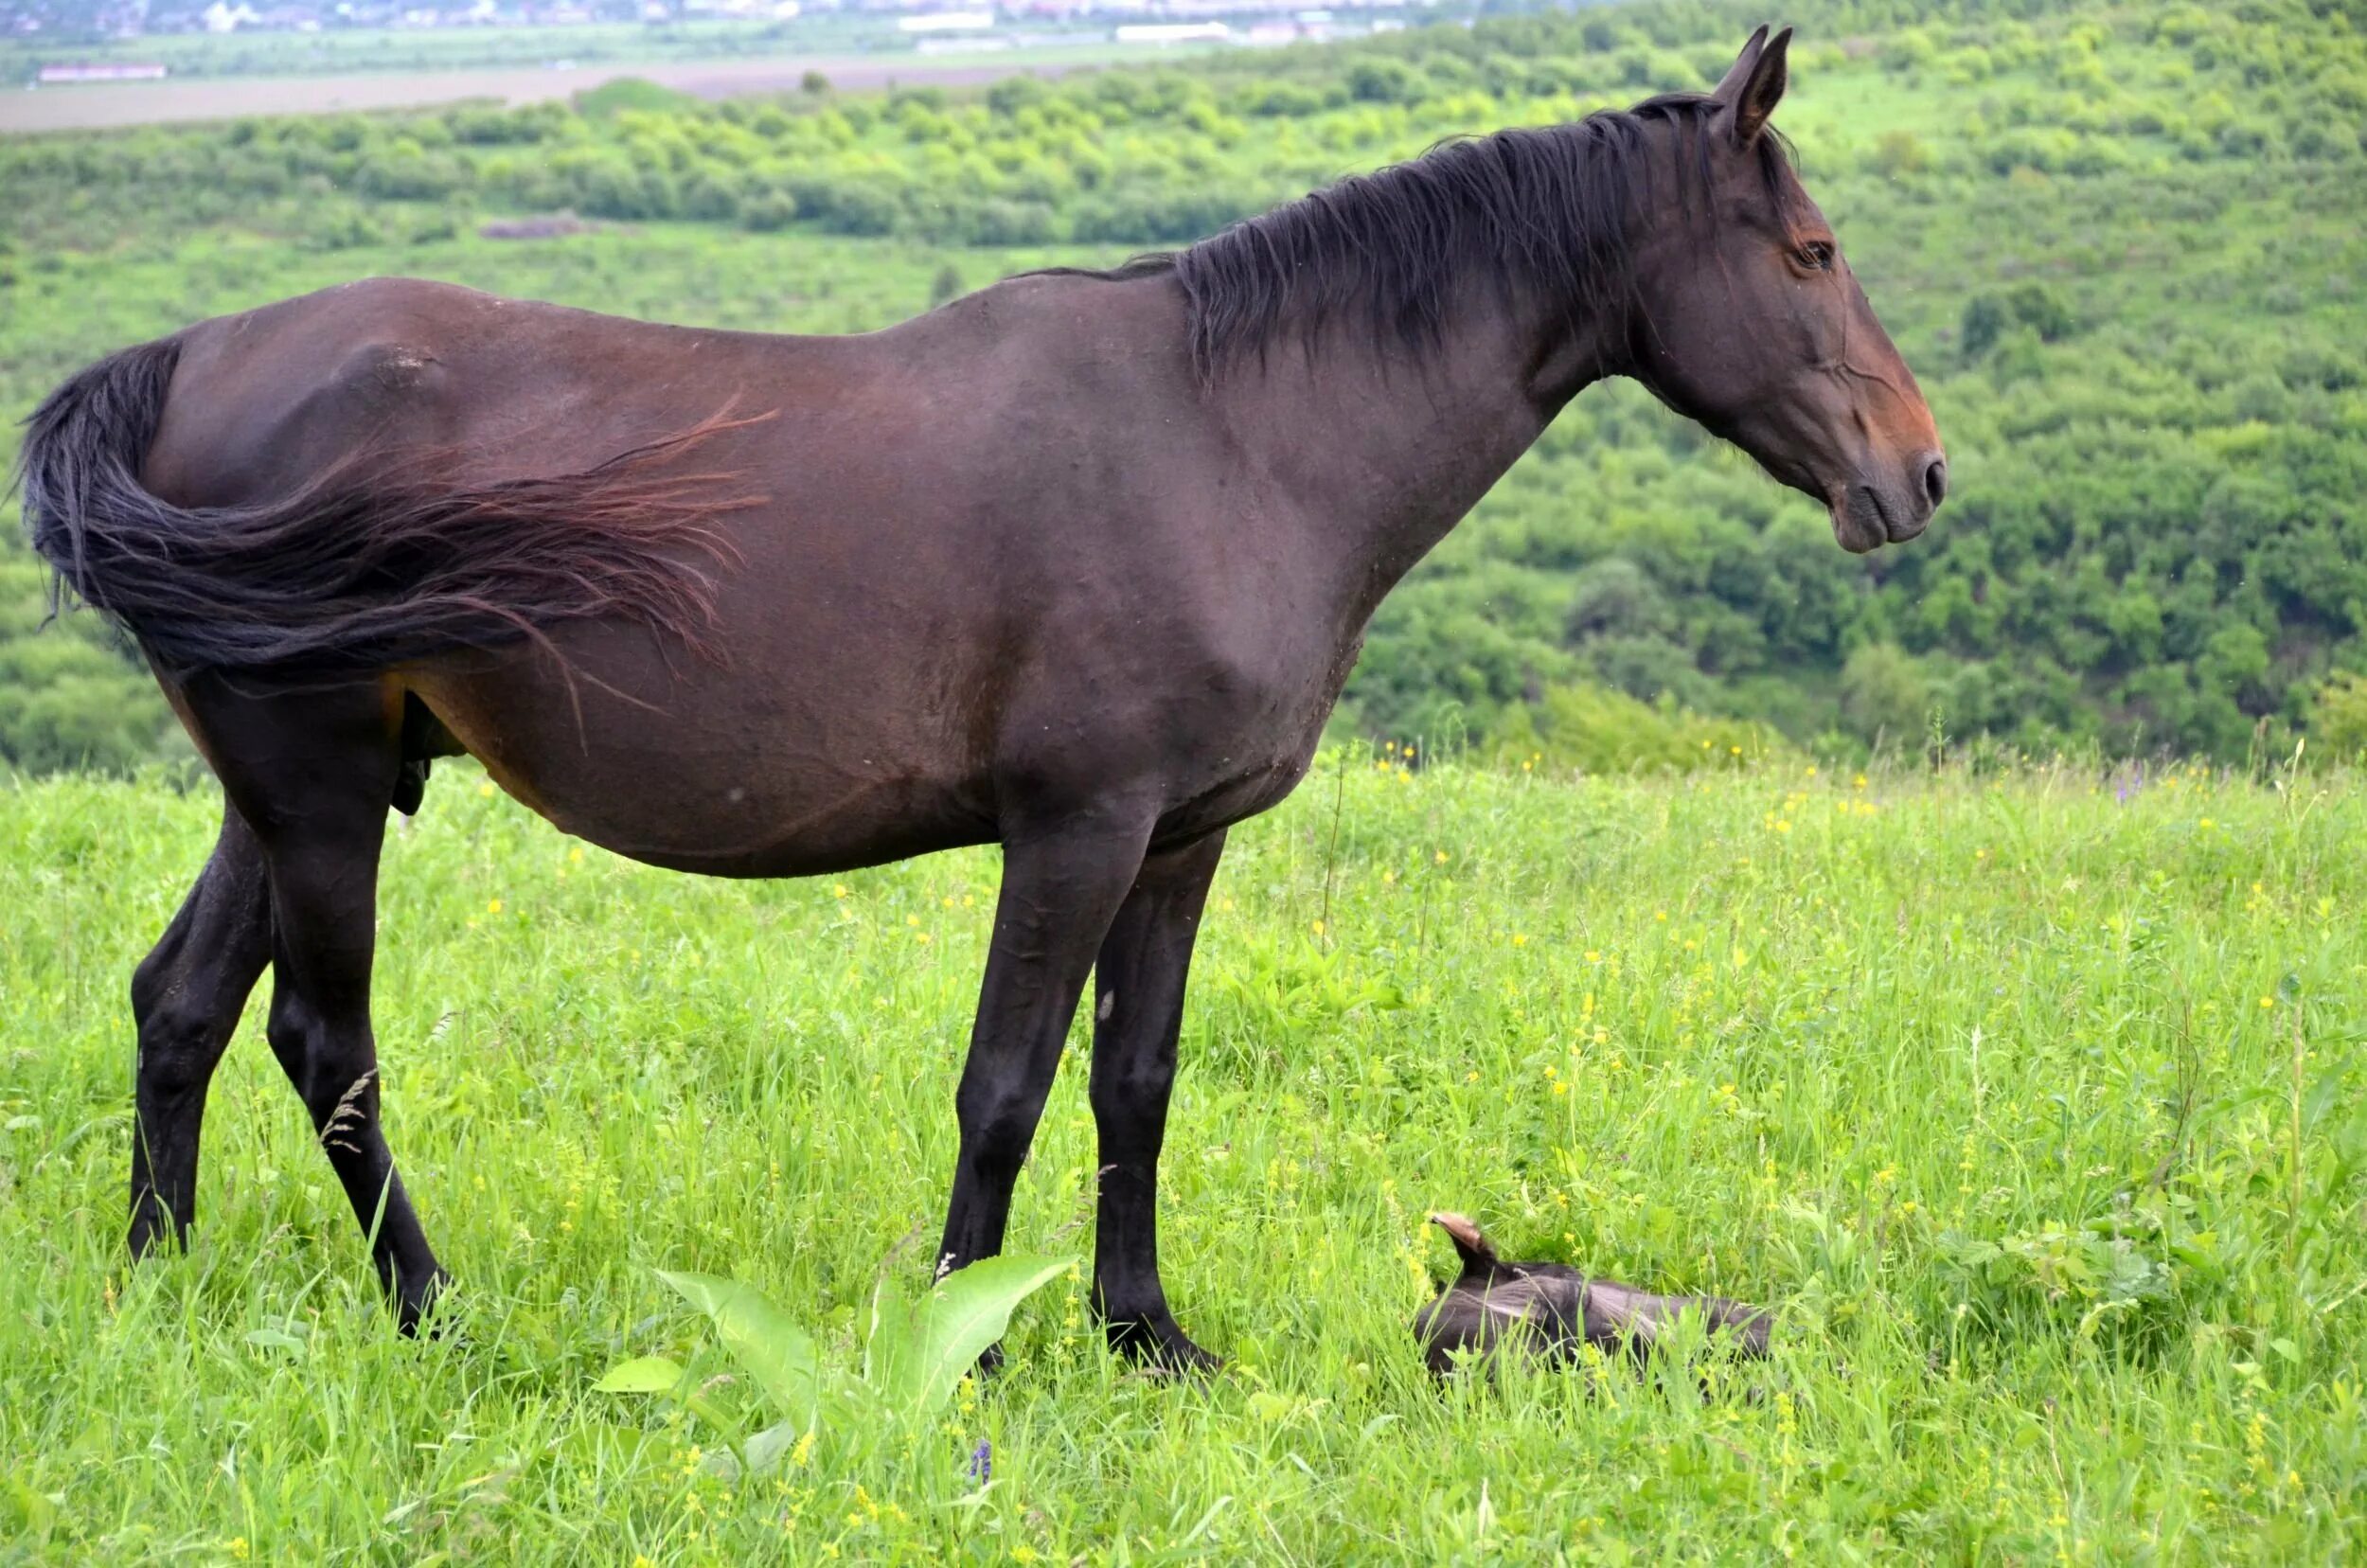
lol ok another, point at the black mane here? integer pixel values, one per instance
(1545, 209)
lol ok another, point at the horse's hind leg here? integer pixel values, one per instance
(187, 996)
(314, 771)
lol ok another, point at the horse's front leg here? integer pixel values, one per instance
(1138, 1012)
(1061, 888)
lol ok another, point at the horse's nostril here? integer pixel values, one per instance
(1936, 481)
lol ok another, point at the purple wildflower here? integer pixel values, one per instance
(982, 1462)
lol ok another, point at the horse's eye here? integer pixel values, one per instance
(1817, 255)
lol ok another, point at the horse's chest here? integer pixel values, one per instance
(1251, 766)
(1237, 793)
(1270, 746)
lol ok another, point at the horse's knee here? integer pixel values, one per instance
(290, 1026)
(1130, 1085)
(1000, 1147)
(306, 1044)
(997, 1129)
(181, 1034)
(157, 980)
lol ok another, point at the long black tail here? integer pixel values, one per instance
(373, 563)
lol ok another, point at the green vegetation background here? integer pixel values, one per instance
(2122, 246)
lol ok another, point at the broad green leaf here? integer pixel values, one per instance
(778, 1354)
(1270, 1407)
(954, 1322)
(889, 1346)
(37, 1512)
(641, 1375)
(888, 1338)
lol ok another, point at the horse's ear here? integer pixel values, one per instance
(1755, 84)
(1739, 71)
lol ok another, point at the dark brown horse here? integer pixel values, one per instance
(1075, 564)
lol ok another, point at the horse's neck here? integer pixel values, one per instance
(1384, 448)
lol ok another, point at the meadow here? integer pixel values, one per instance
(2032, 1099)
(218, 98)
(2120, 243)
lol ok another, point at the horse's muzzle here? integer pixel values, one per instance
(1868, 516)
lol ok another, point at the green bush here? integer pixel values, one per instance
(767, 211)
(2338, 717)
(1386, 82)
(1594, 729)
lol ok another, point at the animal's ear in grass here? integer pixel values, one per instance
(1474, 1247)
(1755, 86)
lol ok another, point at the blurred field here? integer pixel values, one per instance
(2032, 1101)
(105, 106)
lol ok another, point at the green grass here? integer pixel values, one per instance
(2035, 1109)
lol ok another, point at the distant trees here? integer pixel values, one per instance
(1987, 317)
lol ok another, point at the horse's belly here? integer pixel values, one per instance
(771, 831)
(733, 795)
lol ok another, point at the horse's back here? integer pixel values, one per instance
(266, 400)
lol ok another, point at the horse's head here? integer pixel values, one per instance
(1749, 322)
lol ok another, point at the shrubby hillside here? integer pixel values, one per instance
(2120, 245)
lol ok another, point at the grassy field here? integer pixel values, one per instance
(2032, 1101)
(95, 108)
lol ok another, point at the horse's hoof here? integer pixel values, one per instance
(1159, 1349)
(414, 1307)
(147, 1237)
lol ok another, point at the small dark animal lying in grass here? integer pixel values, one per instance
(1559, 1308)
